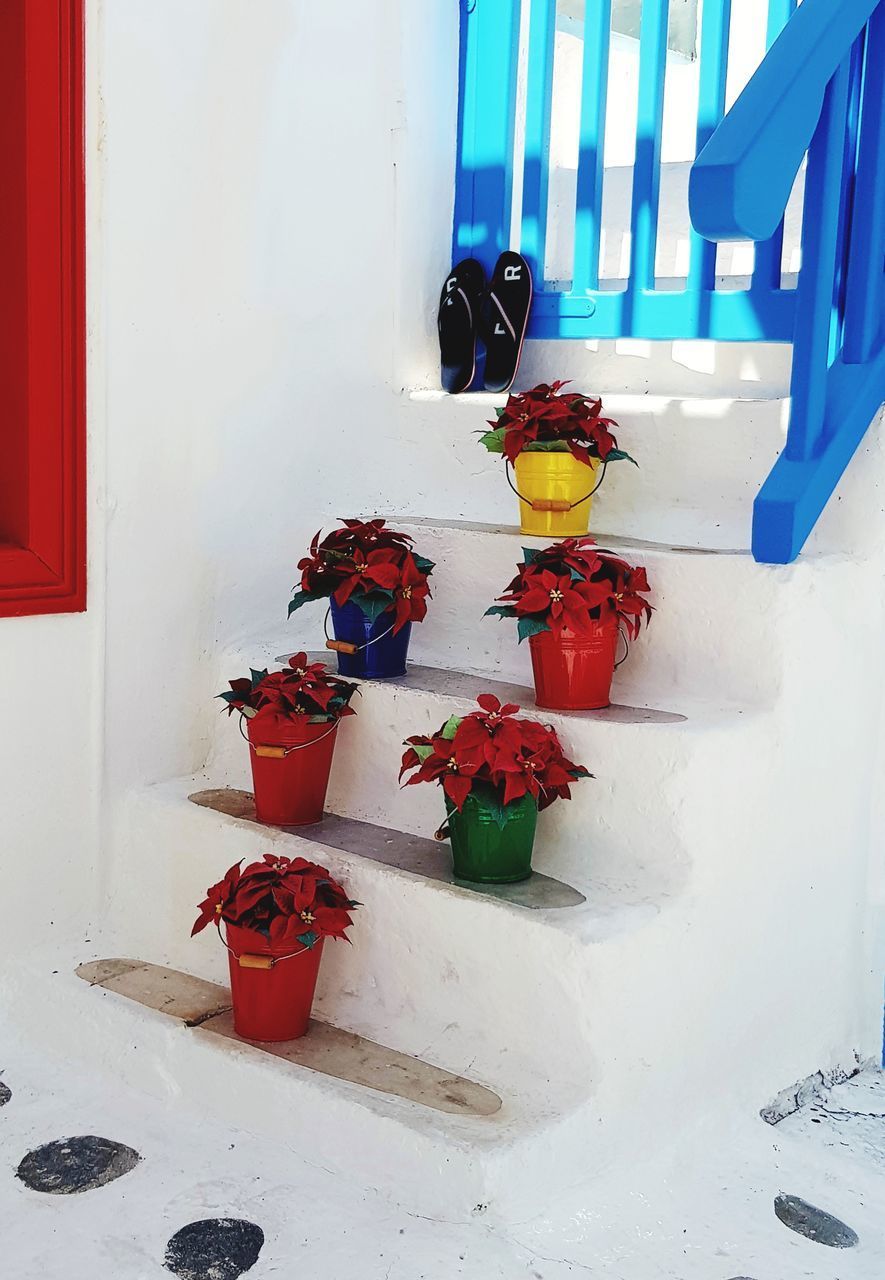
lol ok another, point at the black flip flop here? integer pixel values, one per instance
(457, 323)
(505, 320)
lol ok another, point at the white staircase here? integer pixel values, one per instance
(728, 799)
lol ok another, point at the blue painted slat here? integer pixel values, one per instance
(769, 253)
(865, 292)
(539, 101)
(814, 293)
(591, 152)
(741, 181)
(647, 166)
(711, 107)
(729, 315)
(487, 122)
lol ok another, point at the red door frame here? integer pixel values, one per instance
(43, 538)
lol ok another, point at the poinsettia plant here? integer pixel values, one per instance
(302, 690)
(569, 586)
(370, 565)
(288, 900)
(550, 420)
(494, 755)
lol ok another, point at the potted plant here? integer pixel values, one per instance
(556, 441)
(277, 913)
(291, 718)
(496, 772)
(376, 587)
(572, 601)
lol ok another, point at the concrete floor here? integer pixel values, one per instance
(703, 1211)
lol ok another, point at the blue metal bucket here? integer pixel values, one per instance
(381, 654)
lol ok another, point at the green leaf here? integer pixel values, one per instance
(530, 554)
(257, 677)
(308, 939)
(531, 625)
(422, 752)
(500, 611)
(300, 598)
(375, 603)
(450, 728)
(493, 440)
(618, 455)
(425, 566)
(486, 796)
(547, 446)
(499, 411)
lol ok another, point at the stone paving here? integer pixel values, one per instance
(98, 1182)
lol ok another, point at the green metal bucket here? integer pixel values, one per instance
(487, 850)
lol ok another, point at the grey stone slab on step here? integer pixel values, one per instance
(332, 1052)
(214, 1249)
(181, 995)
(70, 1166)
(461, 684)
(415, 854)
(813, 1223)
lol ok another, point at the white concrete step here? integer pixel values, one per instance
(441, 1165)
(701, 462)
(678, 662)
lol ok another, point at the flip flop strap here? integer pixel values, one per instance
(504, 316)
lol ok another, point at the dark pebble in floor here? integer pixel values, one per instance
(214, 1249)
(5, 1094)
(813, 1223)
(72, 1165)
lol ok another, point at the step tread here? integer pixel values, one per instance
(415, 854)
(451, 683)
(205, 1007)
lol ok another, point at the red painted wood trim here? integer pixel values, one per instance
(43, 562)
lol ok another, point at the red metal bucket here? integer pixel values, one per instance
(291, 762)
(574, 672)
(272, 995)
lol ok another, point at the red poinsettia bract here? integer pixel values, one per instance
(547, 417)
(370, 565)
(303, 689)
(570, 587)
(493, 748)
(288, 900)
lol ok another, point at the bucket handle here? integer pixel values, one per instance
(623, 635)
(280, 753)
(553, 504)
(247, 961)
(343, 646)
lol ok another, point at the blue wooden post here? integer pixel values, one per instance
(536, 167)
(711, 106)
(591, 152)
(865, 289)
(767, 265)
(812, 355)
(487, 122)
(649, 121)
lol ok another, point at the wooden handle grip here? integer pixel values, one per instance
(341, 646)
(256, 962)
(271, 753)
(550, 504)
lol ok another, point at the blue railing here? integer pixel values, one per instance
(588, 307)
(819, 89)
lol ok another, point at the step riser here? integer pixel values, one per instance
(456, 1008)
(342, 1128)
(701, 464)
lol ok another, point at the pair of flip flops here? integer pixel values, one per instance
(497, 313)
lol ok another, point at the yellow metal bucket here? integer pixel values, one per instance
(551, 486)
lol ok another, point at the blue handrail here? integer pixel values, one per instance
(820, 90)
